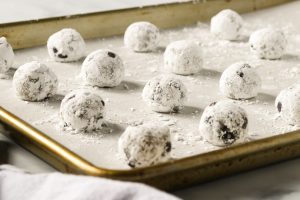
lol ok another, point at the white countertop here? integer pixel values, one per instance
(280, 181)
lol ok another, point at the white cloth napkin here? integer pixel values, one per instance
(16, 184)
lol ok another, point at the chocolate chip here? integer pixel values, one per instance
(71, 97)
(34, 80)
(208, 119)
(241, 74)
(62, 56)
(227, 137)
(175, 108)
(168, 147)
(131, 164)
(213, 103)
(279, 106)
(246, 66)
(103, 103)
(55, 50)
(111, 54)
(244, 126)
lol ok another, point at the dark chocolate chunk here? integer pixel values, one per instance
(34, 80)
(62, 56)
(55, 50)
(131, 164)
(208, 119)
(213, 103)
(103, 103)
(279, 106)
(244, 126)
(111, 54)
(241, 74)
(71, 97)
(228, 136)
(176, 109)
(168, 147)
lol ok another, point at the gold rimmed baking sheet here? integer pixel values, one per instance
(174, 174)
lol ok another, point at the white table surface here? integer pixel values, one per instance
(280, 181)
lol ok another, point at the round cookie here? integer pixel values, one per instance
(66, 45)
(141, 37)
(240, 81)
(102, 68)
(145, 145)
(226, 25)
(223, 123)
(6, 55)
(82, 110)
(34, 81)
(183, 57)
(164, 94)
(288, 104)
(268, 43)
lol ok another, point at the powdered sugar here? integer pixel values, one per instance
(202, 89)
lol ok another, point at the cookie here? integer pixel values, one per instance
(66, 45)
(183, 57)
(227, 25)
(288, 104)
(145, 145)
(102, 68)
(34, 81)
(268, 43)
(6, 55)
(223, 123)
(240, 81)
(164, 94)
(82, 110)
(141, 37)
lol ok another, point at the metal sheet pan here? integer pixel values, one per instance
(171, 175)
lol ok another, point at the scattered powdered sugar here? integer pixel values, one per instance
(124, 104)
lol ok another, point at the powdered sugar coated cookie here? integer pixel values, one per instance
(288, 104)
(268, 43)
(145, 145)
(6, 55)
(223, 123)
(227, 25)
(102, 68)
(82, 110)
(66, 45)
(164, 94)
(183, 57)
(240, 81)
(34, 81)
(141, 37)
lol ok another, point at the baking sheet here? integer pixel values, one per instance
(124, 103)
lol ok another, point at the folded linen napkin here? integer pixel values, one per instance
(15, 184)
